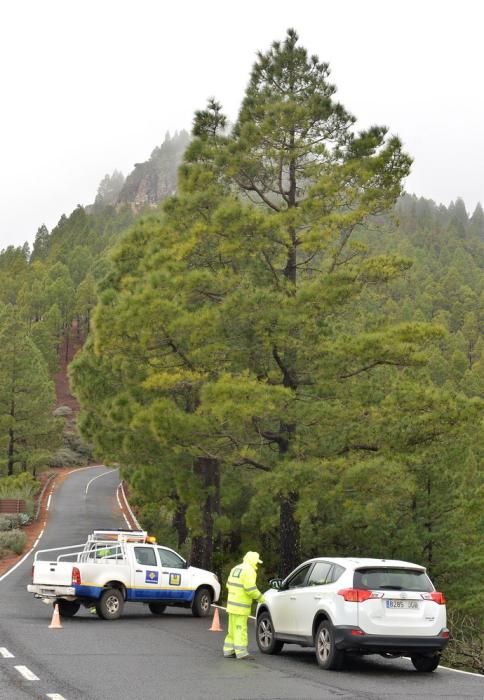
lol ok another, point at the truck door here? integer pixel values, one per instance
(175, 577)
(146, 578)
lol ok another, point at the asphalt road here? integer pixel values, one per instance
(173, 656)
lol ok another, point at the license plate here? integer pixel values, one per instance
(47, 591)
(401, 604)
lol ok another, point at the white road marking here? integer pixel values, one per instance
(128, 507)
(5, 653)
(48, 501)
(97, 477)
(19, 562)
(55, 696)
(121, 507)
(7, 573)
(27, 673)
(456, 670)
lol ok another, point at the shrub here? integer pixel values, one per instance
(4, 552)
(14, 540)
(65, 457)
(5, 523)
(75, 442)
(62, 411)
(466, 646)
(22, 486)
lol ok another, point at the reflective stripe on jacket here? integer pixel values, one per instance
(242, 588)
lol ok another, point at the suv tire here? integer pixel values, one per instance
(327, 656)
(425, 664)
(110, 604)
(265, 635)
(202, 602)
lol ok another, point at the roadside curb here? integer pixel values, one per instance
(42, 494)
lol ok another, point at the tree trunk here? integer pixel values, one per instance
(208, 471)
(67, 342)
(289, 544)
(11, 451)
(180, 524)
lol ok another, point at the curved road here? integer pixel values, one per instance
(173, 656)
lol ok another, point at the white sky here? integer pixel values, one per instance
(87, 87)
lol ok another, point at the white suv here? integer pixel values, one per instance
(359, 606)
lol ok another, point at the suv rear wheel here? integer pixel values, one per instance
(425, 664)
(327, 655)
(265, 635)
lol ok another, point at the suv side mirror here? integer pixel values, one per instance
(276, 583)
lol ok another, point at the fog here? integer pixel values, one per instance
(89, 87)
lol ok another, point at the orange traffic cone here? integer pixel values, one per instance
(56, 623)
(215, 622)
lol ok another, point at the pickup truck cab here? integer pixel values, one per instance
(117, 566)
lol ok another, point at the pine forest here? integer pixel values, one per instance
(280, 348)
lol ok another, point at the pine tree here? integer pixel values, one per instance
(27, 428)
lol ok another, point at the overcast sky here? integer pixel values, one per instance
(89, 87)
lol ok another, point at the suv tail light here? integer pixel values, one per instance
(355, 595)
(436, 596)
(76, 576)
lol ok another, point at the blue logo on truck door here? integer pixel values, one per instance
(151, 577)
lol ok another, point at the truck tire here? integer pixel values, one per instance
(157, 608)
(202, 602)
(110, 604)
(68, 608)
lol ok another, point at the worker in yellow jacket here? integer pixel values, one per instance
(242, 588)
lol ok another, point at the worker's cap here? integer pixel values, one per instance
(252, 558)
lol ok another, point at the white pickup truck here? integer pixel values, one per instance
(118, 566)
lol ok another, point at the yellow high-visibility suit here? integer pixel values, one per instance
(242, 589)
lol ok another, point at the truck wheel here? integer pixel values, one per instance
(110, 604)
(68, 608)
(202, 602)
(425, 664)
(157, 608)
(327, 655)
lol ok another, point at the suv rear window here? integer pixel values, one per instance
(391, 579)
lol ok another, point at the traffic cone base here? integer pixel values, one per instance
(215, 622)
(56, 623)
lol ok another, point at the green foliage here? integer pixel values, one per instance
(23, 486)
(27, 428)
(13, 540)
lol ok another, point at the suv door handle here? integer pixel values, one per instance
(292, 597)
(139, 571)
(318, 597)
